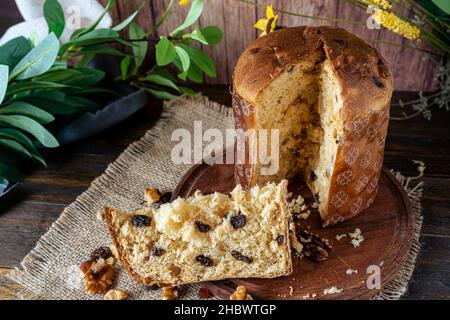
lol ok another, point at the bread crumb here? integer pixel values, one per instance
(332, 290)
(315, 205)
(357, 237)
(314, 295)
(340, 236)
(100, 215)
(350, 271)
(291, 290)
(306, 296)
(381, 264)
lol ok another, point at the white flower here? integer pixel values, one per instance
(78, 13)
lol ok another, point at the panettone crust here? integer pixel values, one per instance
(364, 75)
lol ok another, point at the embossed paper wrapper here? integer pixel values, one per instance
(51, 269)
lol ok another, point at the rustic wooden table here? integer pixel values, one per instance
(29, 210)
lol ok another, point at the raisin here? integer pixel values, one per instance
(313, 176)
(141, 221)
(239, 256)
(158, 251)
(152, 287)
(202, 227)
(238, 221)
(280, 239)
(204, 260)
(377, 82)
(101, 253)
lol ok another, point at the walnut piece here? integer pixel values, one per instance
(98, 276)
(241, 293)
(151, 195)
(116, 294)
(170, 293)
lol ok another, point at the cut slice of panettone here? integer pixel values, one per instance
(206, 237)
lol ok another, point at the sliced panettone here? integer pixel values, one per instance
(206, 237)
(327, 93)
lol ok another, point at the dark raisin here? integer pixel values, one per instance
(141, 221)
(313, 176)
(202, 227)
(377, 82)
(204, 260)
(158, 251)
(280, 239)
(101, 253)
(238, 221)
(239, 256)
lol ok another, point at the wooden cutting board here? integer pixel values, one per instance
(387, 227)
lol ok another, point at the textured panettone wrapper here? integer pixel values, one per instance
(357, 168)
(51, 269)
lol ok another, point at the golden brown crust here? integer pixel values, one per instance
(364, 75)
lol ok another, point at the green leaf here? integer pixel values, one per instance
(212, 34)
(54, 15)
(125, 66)
(201, 60)
(16, 151)
(18, 136)
(79, 77)
(4, 181)
(196, 35)
(444, 5)
(165, 52)
(82, 32)
(32, 127)
(4, 74)
(101, 49)
(13, 51)
(18, 87)
(192, 16)
(194, 73)
(29, 110)
(164, 72)
(188, 91)
(94, 37)
(160, 94)
(38, 60)
(163, 18)
(161, 81)
(10, 172)
(53, 102)
(128, 20)
(86, 60)
(185, 61)
(140, 47)
(82, 104)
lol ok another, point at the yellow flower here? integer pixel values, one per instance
(184, 2)
(384, 4)
(391, 22)
(267, 24)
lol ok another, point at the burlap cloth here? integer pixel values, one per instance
(51, 269)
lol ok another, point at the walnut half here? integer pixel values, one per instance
(241, 293)
(116, 294)
(170, 293)
(98, 276)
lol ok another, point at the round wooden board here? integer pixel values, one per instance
(387, 227)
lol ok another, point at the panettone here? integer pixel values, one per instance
(206, 237)
(328, 93)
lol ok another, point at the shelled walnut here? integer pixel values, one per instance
(152, 195)
(98, 271)
(170, 293)
(241, 293)
(116, 294)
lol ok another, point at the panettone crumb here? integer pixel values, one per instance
(116, 294)
(356, 237)
(332, 290)
(291, 290)
(340, 236)
(350, 271)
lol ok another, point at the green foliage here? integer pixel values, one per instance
(38, 86)
(54, 15)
